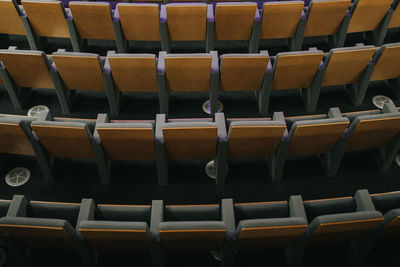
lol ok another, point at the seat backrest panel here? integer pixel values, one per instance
(388, 65)
(10, 22)
(13, 140)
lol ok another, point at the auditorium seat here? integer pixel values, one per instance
(350, 67)
(122, 229)
(16, 138)
(139, 22)
(80, 71)
(283, 20)
(395, 21)
(22, 70)
(293, 70)
(247, 72)
(387, 66)
(254, 138)
(351, 221)
(234, 22)
(389, 205)
(70, 138)
(372, 17)
(189, 139)
(197, 228)
(187, 73)
(186, 22)
(271, 225)
(312, 135)
(46, 225)
(327, 18)
(93, 20)
(47, 19)
(378, 131)
(129, 73)
(125, 140)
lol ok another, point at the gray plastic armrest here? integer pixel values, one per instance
(363, 200)
(334, 113)
(228, 216)
(101, 118)
(389, 108)
(296, 207)
(44, 116)
(278, 116)
(18, 206)
(221, 124)
(86, 211)
(157, 216)
(160, 120)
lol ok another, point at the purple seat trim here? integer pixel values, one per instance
(161, 62)
(116, 13)
(214, 62)
(163, 14)
(210, 13)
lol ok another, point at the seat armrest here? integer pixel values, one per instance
(334, 113)
(296, 207)
(18, 206)
(221, 125)
(214, 62)
(161, 62)
(363, 201)
(160, 120)
(44, 116)
(157, 216)
(101, 118)
(163, 14)
(86, 211)
(116, 14)
(228, 216)
(210, 13)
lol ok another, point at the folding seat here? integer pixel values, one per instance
(293, 70)
(234, 22)
(283, 20)
(139, 22)
(121, 228)
(94, 21)
(186, 22)
(253, 138)
(372, 17)
(80, 71)
(389, 205)
(189, 139)
(25, 69)
(351, 221)
(49, 19)
(197, 228)
(130, 73)
(387, 66)
(264, 226)
(312, 135)
(46, 225)
(247, 72)
(127, 140)
(11, 22)
(16, 138)
(69, 138)
(327, 18)
(350, 67)
(187, 73)
(378, 131)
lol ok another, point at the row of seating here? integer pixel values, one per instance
(277, 138)
(283, 20)
(66, 72)
(227, 227)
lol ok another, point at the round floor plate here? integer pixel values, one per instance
(34, 111)
(212, 172)
(18, 176)
(207, 107)
(398, 160)
(380, 100)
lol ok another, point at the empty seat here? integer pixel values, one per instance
(47, 18)
(371, 16)
(283, 20)
(247, 72)
(237, 21)
(389, 205)
(70, 138)
(81, 71)
(351, 67)
(139, 21)
(94, 21)
(186, 22)
(328, 18)
(348, 220)
(271, 225)
(126, 73)
(189, 139)
(395, 21)
(293, 70)
(312, 135)
(46, 225)
(187, 73)
(198, 228)
(119, 228)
